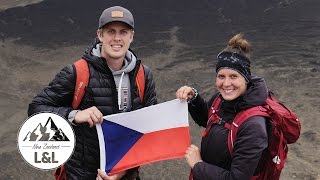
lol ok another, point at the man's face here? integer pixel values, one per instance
(116, 38)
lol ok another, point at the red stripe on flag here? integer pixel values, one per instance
(155, 146)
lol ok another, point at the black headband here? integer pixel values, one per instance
(234, 61)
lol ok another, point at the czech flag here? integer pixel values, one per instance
(147, 135)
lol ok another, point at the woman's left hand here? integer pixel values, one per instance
(193, 155)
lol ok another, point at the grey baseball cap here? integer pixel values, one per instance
(116, 13)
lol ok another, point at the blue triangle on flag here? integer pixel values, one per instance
(118, 140)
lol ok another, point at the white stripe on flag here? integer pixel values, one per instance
(170, 114)
(102, 149)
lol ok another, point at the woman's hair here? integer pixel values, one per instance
(237, 44)
(236, 56)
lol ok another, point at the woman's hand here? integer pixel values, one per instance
(103, 176)
(192, 155)
(185, 93)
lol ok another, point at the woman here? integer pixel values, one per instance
(238, 90)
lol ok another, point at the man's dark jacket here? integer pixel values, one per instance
(100, 92)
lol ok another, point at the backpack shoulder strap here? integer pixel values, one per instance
(213, 117)
(216, 102)
(140, 81)
(240, 118)
(215, 106)
(82, 80)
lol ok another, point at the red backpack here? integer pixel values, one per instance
(285, 130)
(82, 75)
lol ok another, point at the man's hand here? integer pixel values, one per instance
(91, 115)
(103, 176)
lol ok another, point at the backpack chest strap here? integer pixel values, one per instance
(214, 117)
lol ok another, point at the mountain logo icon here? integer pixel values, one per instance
(48, 132)
(46, 140)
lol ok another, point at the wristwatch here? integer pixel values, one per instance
(195, 94)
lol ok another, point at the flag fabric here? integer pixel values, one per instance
(147, 135)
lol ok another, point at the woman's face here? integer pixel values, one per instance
(230, 84)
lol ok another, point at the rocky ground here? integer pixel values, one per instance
(179, 43)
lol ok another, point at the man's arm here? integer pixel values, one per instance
(57, 96)
(150, 97)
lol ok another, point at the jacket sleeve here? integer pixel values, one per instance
(252, 140)
(150, 97)
(57, 96)
(198, 109)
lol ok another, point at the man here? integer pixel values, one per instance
(112, 89)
